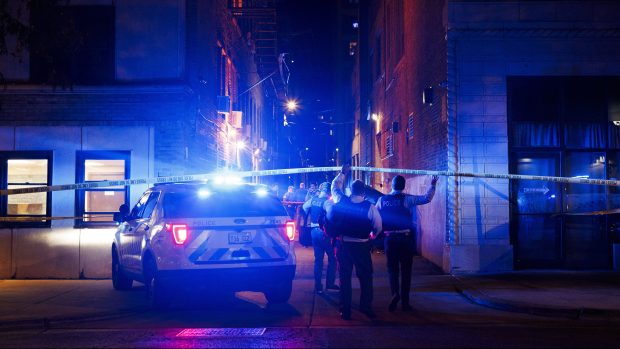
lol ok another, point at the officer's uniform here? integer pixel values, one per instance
(397, 213)
(353, 249)
(320, 241)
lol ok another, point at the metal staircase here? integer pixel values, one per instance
(257, 20)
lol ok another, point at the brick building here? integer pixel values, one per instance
(520, 87)
(124, 89)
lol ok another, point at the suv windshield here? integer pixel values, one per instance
(234, 204)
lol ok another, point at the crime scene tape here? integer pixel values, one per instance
(262, 173)
(35, 218)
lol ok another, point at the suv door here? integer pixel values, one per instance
(134, 232)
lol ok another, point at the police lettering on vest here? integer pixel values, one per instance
(394, 214)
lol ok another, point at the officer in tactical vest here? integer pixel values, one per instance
(397, 211)
(355, 219)
(321, 243)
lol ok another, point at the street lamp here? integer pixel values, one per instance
(291, 105)
(239, 146)
(337, 156)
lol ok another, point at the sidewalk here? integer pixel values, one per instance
(28, 303)
(552, 293)
(557, 293)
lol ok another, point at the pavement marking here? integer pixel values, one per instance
(221, 332)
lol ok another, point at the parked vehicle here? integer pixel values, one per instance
(205, 235)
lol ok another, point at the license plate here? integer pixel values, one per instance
(239, 237)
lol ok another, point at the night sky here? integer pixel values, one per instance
(305, 31)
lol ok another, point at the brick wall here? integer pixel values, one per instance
(397, 94)
(171, 114)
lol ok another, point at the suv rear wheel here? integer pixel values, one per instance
(120, 281)
(156, 290)
(280, 292)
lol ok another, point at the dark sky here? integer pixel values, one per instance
(305, 32)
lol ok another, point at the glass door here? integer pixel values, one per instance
(537, 225)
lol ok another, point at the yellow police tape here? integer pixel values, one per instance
(262, 173)
(35, 218)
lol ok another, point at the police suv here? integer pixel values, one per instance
(205, 235)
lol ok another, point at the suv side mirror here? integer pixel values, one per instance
(121, 215)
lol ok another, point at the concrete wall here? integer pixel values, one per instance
(488, 41)
(431, 219)
(62, 251)
(150, 39)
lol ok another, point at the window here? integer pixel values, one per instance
(389, 145)
(190, 205)
(96, 206)
(562, 126)
(410, 127)
(145, 206)
(25, 170)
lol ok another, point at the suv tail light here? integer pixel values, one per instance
(290, 230)
(179, 232)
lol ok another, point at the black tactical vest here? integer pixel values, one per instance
(352, 218)
(394, 214)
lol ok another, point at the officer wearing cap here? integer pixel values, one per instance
(320, 241)
(398, 211)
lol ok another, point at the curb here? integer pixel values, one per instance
(47, 323)
(478, 297)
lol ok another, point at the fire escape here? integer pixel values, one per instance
(257, 20)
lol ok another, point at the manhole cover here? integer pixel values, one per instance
(221, 332)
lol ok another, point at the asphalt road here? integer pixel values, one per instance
(442, 318)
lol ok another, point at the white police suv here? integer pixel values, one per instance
(234, 236)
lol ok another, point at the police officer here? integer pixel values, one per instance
(320, 241)
(312, 192)
(287, 198)
(301, 192)
(289, 195)
(397, 211)
(355, 219)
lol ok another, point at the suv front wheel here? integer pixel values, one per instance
(280, 292)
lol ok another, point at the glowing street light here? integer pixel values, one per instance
(240, 145)
(291, 105)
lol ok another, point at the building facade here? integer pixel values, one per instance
(522, 87)
(114, 90)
